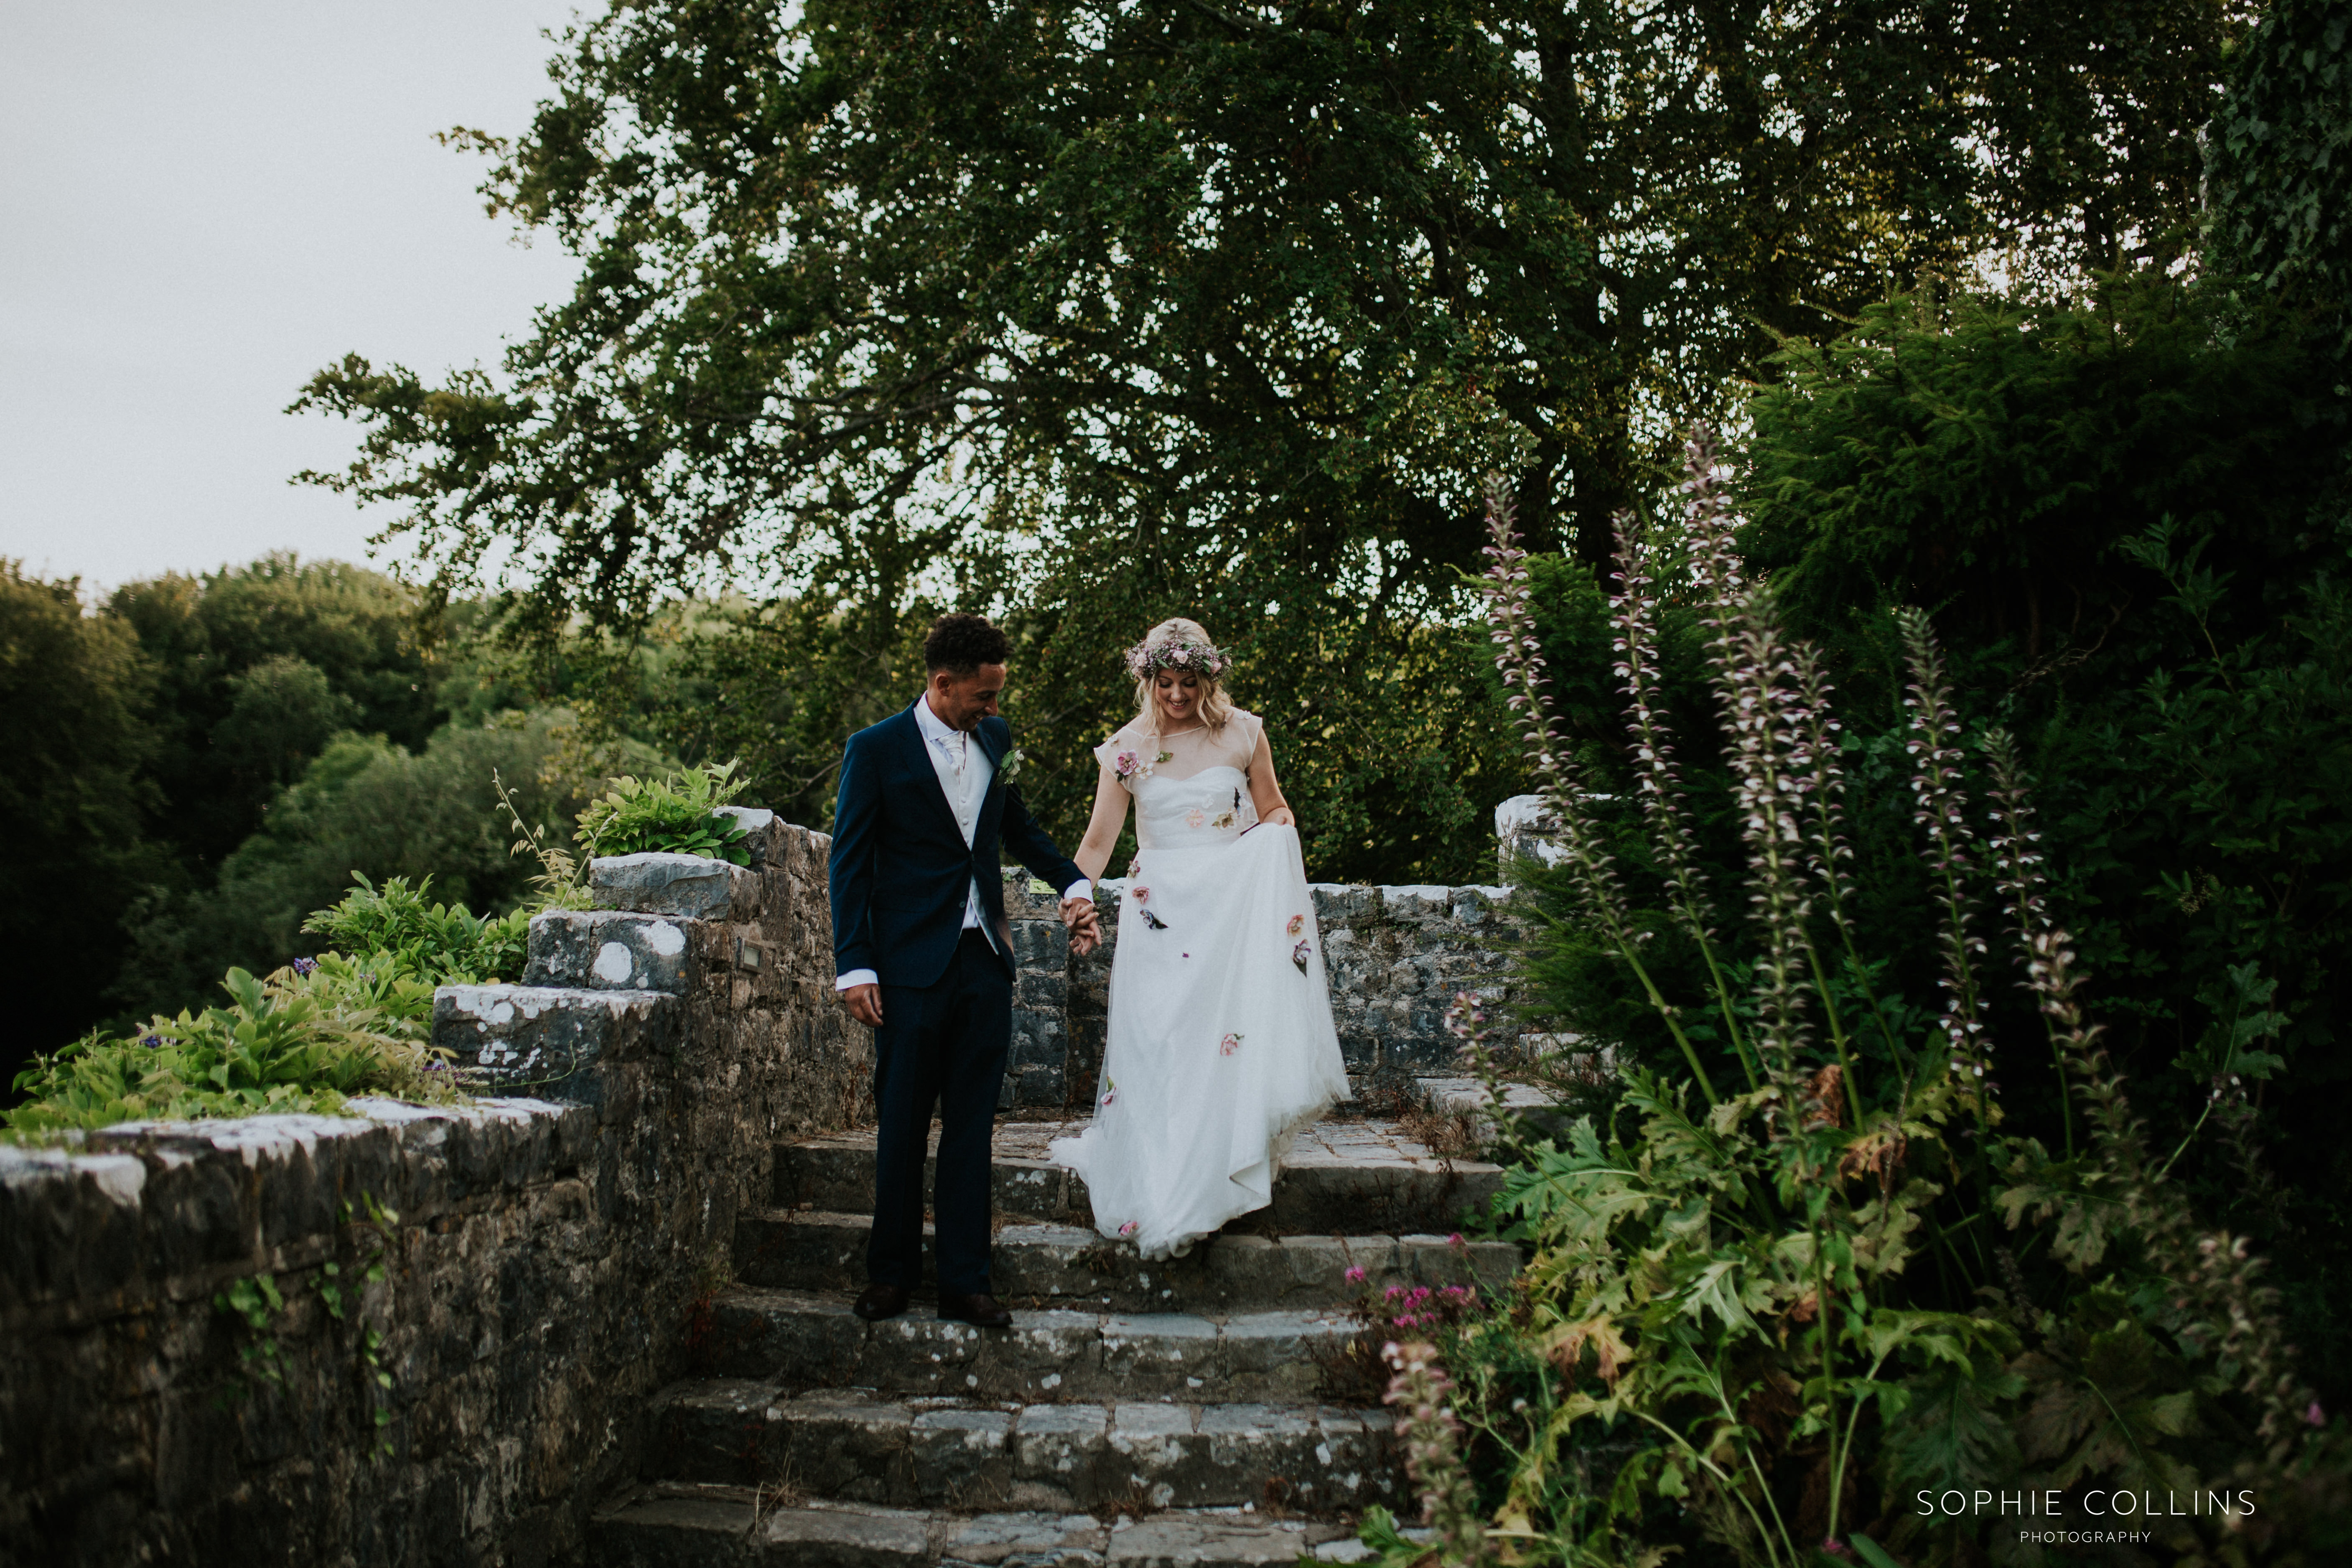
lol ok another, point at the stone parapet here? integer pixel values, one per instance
(189, 1308)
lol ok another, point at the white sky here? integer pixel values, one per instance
(200, 206)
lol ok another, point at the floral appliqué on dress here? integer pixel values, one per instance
(1131, 766)
(1142, 897)
(1110, 1091)
(1229, 1044)
(1298, 956)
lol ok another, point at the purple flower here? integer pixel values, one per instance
(2314, 1416)
(151, 1040)
(306, 966)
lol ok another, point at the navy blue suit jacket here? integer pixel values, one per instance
(900, 868)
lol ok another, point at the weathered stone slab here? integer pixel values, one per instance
(607, 949)
(1025, 1540)
(815, 1537)
(690, 887)
(1181, 1541)
(549, 1042)
(1321, 1192)
(1050, 1264)
(806, 1339)
(658, 1531)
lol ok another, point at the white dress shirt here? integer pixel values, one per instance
(964, 771)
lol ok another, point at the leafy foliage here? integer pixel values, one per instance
(308, 1038)
(74, 790)
(2279, 165)
(1085, 314)
(363, 806)
(679, 814)
(2131, 517)
(425, 939)
(1765, 1318)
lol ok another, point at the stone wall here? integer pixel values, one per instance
(1397, 957)
(541, 1252)
(538, 1280)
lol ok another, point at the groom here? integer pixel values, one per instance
(924, 956)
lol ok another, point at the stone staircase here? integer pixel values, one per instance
(1205, 1410)
(1211, 1410)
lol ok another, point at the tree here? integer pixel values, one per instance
(362, 806)
(2280, 166)
(74, 803)
(257, 666)
(1219, 310)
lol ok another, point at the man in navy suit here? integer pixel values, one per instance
(924, 955)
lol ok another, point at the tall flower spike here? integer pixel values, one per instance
(1937, 806)
(1584, 849)
(1658, 782)
(1762, 708)
(1521, 663)
(2016, 872)
(1431, 1436)
(1825, 841)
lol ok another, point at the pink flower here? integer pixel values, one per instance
(1297, 924)
(1456, 1240)
(1143, 895)
(1229, 1044)
(2314, 1416)
(1127, 1229)
(1355, 1275)
(1181, 655)
(1125, 764)
(1195, 817)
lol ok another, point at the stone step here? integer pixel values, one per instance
(1340, 1176)
(805, 1339)
(1063, 1266)
(544, 1041)
(859, 1445)
(672, 1527)
(685, 886)
(607, 949)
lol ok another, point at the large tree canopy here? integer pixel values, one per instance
(1222, 308)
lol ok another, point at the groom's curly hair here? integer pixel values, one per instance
(959, 643)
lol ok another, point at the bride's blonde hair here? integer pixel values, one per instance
(1216, 708)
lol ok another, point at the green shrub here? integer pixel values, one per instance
(1775, 1297)
(307, 1038)
(677, 813)
(447, 943)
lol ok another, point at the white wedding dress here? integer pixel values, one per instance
(1221, 1041)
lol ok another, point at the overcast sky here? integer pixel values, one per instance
(200, 206)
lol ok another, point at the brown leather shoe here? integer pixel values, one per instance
(979, 1309)
(881, 1301)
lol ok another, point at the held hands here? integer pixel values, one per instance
(865, 1002)
(1085, 925)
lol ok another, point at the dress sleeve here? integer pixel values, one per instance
(1243, 726)
(1108, 752)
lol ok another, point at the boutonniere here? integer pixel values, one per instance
(1011, 769)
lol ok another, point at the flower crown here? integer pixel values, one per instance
(1146, 658)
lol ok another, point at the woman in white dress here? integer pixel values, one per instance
(1221, 1042)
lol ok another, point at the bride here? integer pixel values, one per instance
(1221, 1036)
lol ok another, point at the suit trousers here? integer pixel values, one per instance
(942, 1044)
